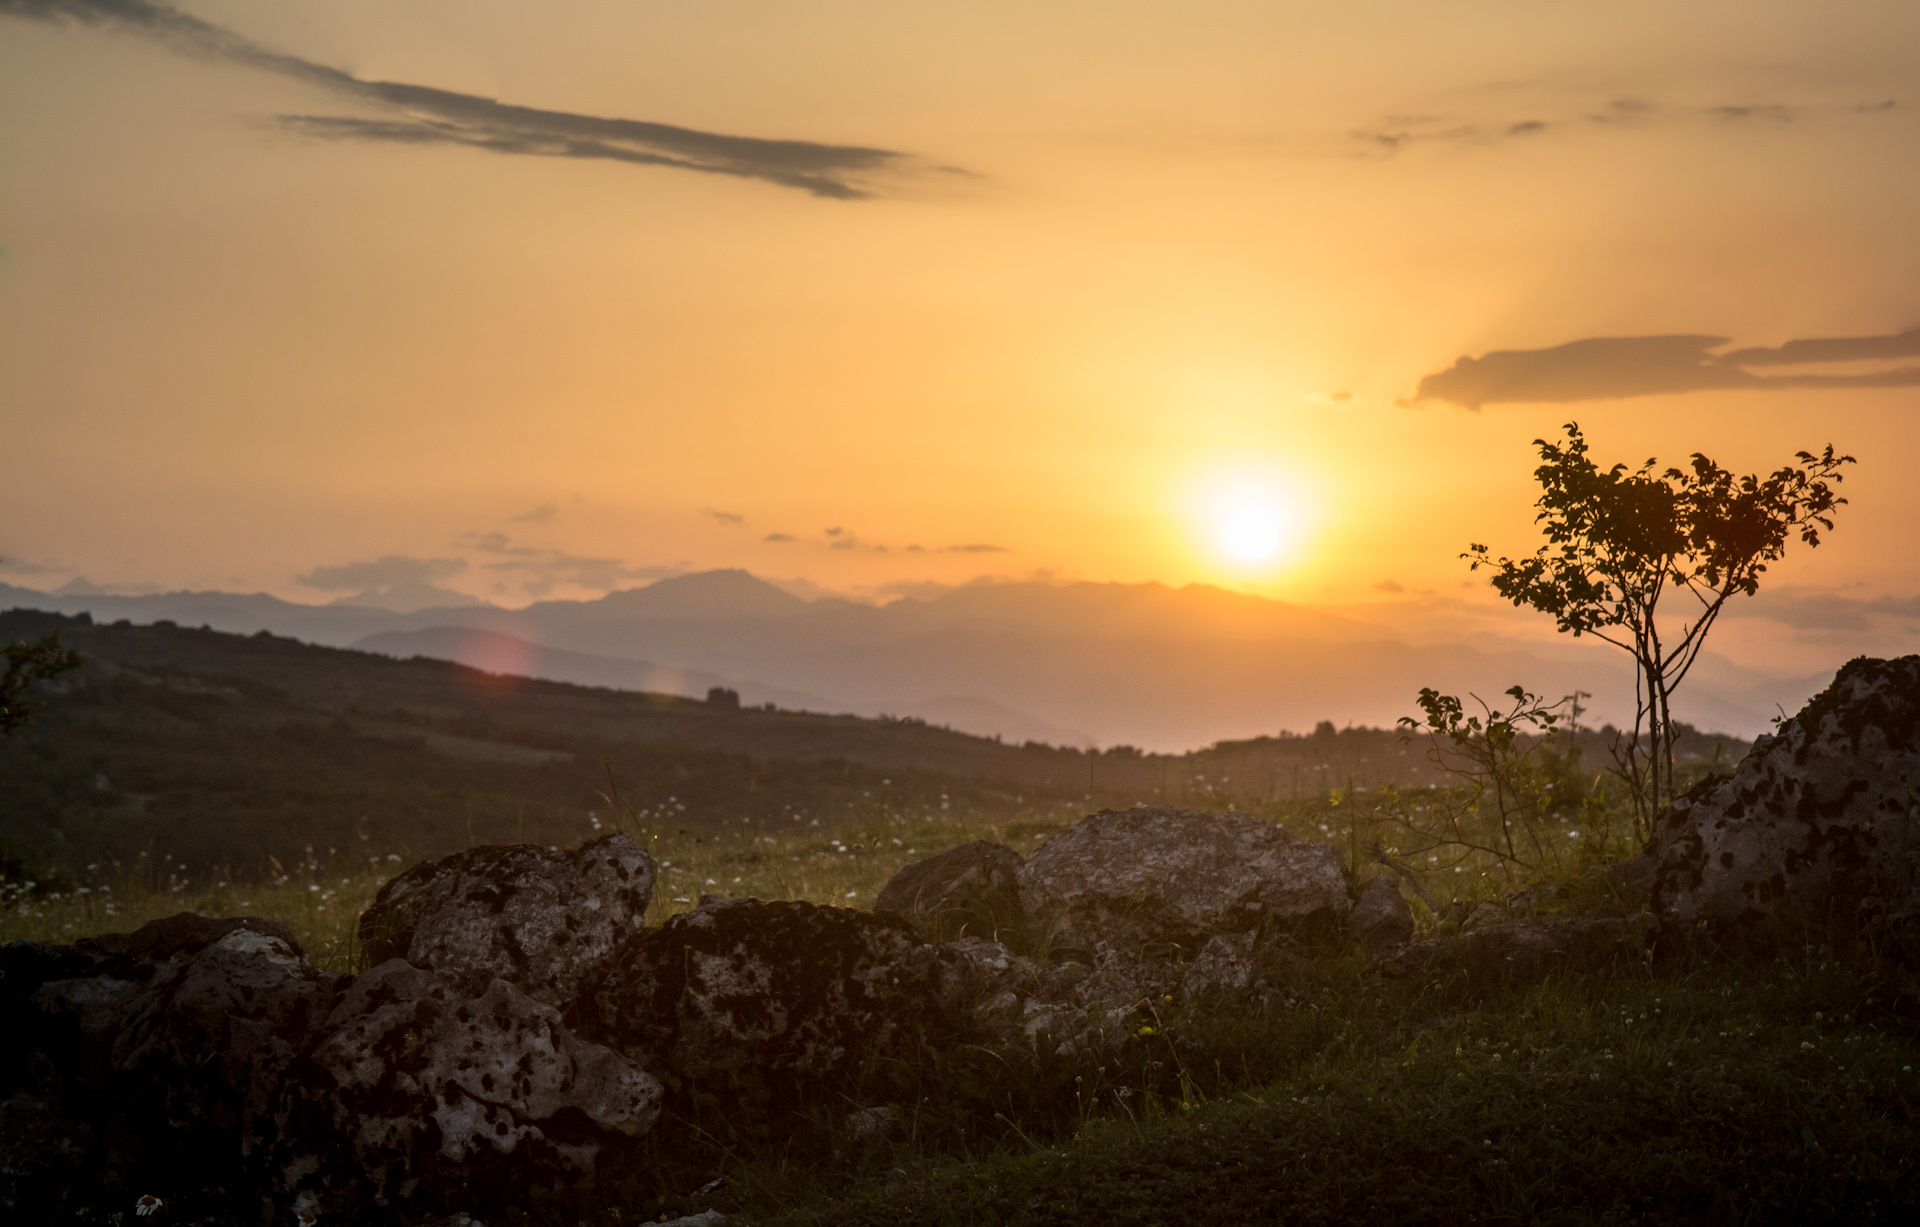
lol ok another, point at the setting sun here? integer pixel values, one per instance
(1252, 533)
(1250, 519)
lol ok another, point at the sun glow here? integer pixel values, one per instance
(1251, 521)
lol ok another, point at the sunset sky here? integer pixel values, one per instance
(1102, 291)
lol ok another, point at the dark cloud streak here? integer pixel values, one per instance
(442, 117)
(1612, 368)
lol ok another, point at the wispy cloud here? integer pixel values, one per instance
(1394, 133)
(384, 572)
(543, 514)
(731, 519)
(1611, 368)
(539, 569)
(838, 537)
(422, 115)
(1825, 611)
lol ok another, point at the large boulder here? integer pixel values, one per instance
(419, 1094)
(1380, 917)
(147, 1062)
(766, 1003)
(1124, 880)
(1819, 819)
(545, 922)
(969, 891)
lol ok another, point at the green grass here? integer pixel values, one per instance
(1700, 1090)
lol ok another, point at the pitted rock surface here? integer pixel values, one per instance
(763, 1001)
(418, 1093)
(969, 891)
(219, 1030)
(1069, 1007)
(146, 1060)
(1823, 817)
(544, 922)
(1381, 917)
(1124, 879)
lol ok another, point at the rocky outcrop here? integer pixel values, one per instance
(207, 1062)
(764, 1002)
(417, 1093)
(969, 891)
(1068, 1006)
(1380, 917)
(148, 1060)
(545, 922)
(1121, 881)
(1821, 819)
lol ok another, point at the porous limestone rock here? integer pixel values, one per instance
(1123, 880)
(969, 891)
(1069, 1006)
(545, 922)
(1380, 917)
(420, 1094)
(765, 1002)
(1822, 818)
(145, 1061)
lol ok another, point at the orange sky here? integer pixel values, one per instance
(1140, 252)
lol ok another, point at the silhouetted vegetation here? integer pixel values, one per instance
(28, 664)
(1621, 540)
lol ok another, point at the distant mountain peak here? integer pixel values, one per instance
(409, 597)
(730, 593)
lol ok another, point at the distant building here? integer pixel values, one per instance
(723, 696)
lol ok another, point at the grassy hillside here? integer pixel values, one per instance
(186, 753)
(225, 753)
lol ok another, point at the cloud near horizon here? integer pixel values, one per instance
(417, 115)
(1613, 368)
(384, 572)
(1813, 610)
(539, 569)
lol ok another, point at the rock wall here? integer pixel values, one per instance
(520, 1028)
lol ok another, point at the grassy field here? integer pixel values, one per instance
(1770, 1085)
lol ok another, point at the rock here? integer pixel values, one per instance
(1381, 917)
(1070, 1007)
(419, 1094)
(1122, 880)
(144, 1061)
(216, 1037)
(972, 890)
(544, 922)
(1530, 946)
(1223, 966)
(766, 1003)
(866, 1123)
(706, 1218)
(1816, 820)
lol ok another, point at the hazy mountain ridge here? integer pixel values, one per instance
(1145, 664)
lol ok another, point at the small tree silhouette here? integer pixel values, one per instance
(28, 663)
(1619, 540)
